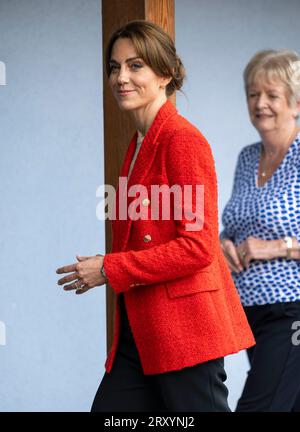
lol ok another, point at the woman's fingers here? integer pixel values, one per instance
(244, 254)
(66, 269)
(82, 258)
(67, 279)
(232, 256)
(230, 263)
(78, 285)
(234, 266)
(85, 274)
(82, 290)
(71, 287)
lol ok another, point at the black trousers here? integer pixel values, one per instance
(199, 388)
(273, 382)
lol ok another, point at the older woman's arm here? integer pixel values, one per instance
(257, 249)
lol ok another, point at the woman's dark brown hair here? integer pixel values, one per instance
(155, 47)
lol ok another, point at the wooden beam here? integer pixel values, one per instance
(118, 128)
(161, 12)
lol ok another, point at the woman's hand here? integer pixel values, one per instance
(231, 255)
(256, 249)
(85, 273)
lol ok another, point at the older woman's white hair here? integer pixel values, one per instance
(282, 65)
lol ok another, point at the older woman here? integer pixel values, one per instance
(262, 231)
(178, 312)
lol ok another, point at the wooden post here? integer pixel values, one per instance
(118, 128)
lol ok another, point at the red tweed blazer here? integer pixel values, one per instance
(182, 305)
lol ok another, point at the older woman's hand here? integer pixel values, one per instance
(85, 273)
(256, 249)
(231, 255)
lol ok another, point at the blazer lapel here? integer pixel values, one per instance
(141, 168)
(121, 194)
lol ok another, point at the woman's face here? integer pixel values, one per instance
(133, 83)
(269, 107)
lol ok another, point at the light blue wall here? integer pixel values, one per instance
(51, 163)
(216, 38)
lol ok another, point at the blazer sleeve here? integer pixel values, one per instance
(189, 161)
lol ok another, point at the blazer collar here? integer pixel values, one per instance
(141, 167)
(148, 148)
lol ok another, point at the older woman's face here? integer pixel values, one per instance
(133, 83)
(268, 105)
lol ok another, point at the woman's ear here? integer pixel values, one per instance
(297, 108)
(165, 81)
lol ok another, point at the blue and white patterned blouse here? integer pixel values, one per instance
(269, 212)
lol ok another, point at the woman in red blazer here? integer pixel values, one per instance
(178, 312)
